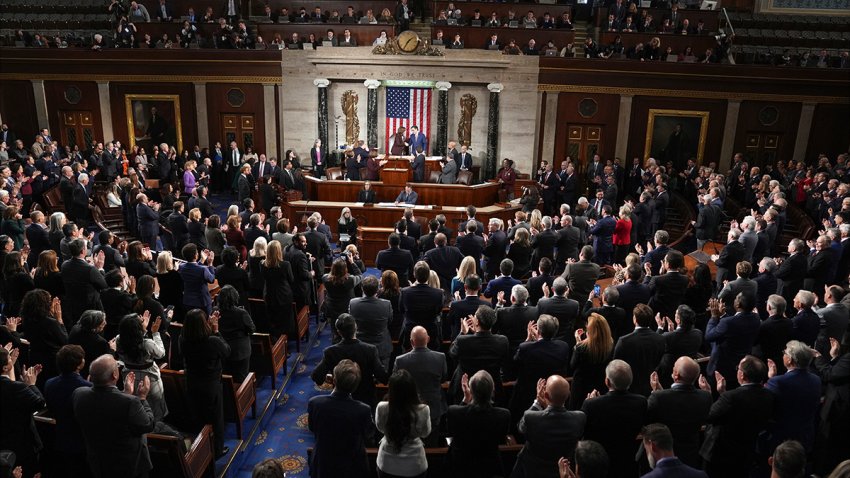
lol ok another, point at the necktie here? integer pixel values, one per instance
(598, 206)
(289, 172)
(260, 172)
(318, 156)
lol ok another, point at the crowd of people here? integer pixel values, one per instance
(731, 374)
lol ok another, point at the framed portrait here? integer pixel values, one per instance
(153, 120)
(676, 136)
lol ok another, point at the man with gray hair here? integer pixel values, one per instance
(792, 270)
(748, 236)
(615, 419)
(543, 243)
(774, 332)
(731, 254)
(114, 423)
(495, 245)
(565, 310)
(619, 323)
(568, 241)
(821, 262)
(843, 269)
(79, 208)
(834, 317)
(707, 221)
(766, 284)
(512, 321)
(797, 394)
(477, 348)
(806, 324)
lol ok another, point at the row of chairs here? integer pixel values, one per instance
(769, 36)
(786, 21)
(27, 21)
(767, 54)
(77, 6)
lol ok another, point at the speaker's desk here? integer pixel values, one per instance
(440, 195)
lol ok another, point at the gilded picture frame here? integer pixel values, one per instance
(665, 143)
(148, 129)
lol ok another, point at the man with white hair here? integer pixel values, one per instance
(834, 317)
(797, 393)
(512, 321)
(766, 283)
(748, 236)
(819, 272)
(806, 324)
(4, 200)
(707, 222)
(731, 254)
(80, 202)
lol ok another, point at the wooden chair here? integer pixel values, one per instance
(53, 199)
(238, 399)
(171, 461)
(464, 177)
(268, 358)
(257, 309)
(302, 320)
(333, 174)
(434, 177)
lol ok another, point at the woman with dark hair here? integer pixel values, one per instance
(697, 294)
(88, 334)
(282, 233)
(169, 196)
(339, 286)
(13, 226)
(235, 237)
(590, 357)
(236, 327)
(204, 353)
(139, 260)
(47, 275)
(41, 321)
(139, 351)
(399, 146)
(477, 429)
(520, 252)
(232, 274)
(146, 302)
(215, 238)
(530, 198)
(277, 293)
(292, 156)
(16, 283)
(391, 291)
(404, 420)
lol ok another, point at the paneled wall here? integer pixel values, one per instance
(581, 113)
(17, 108)
(767, 130)
(830, 131)
(237, 102)
(73, 99)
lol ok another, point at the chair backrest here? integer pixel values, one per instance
(464, 177)
(303, 320)
(177, 398)
(257, 309)
(334, 173)
(434, 177)
(169, 459)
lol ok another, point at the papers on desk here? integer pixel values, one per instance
(402, 205)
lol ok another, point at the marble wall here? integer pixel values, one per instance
(469, 71)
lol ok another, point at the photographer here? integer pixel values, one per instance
(530, 198)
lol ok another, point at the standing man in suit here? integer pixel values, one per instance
(232, 161)
(114, 423)
(741, 285)
(68, 444)
(495, 248)
(833, 318)
(707, 221)
(616, 418)
(477, 348)
(821, 262)
(373, 316)
(568, 185)
(729, 257)
(429, 370)
(449, 172)
(595, 170)
(418, 166)
(595, 209)
(731, 337)
(565, 310)
(632, 291)
(243, 184)
(403, 16)
(792, 270)
(147, 213)
(417, 139)
(581, 276)
(37, 237)
(421, 305)
(444, 260)
(567, 243)
(641, 349)
(658, 445)
(396, 259)
(302, 271)
(550, 183)
(83, 282)
(797, 396)
(342, 426)
(603, 232)
(319, 157)
(80, 202)
(550, 429)
(318, 247)
(512, 321)
(659, 214)
(540, 356)
(735, 421)
(464, 306)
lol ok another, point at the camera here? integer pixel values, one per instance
(344, 255)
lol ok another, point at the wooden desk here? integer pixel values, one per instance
(478, 195)
(364, 34)
(155, 29)
(372, 240)
(377, 217)
(709, 248)
(477, 37)
(397, 177)
(699, 43)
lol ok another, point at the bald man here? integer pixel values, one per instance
(113, 423)
(429, 370)
(683, 408)
(551, 431)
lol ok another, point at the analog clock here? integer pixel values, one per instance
(408, 41)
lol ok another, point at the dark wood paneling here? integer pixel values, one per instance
(830, 131)
(327, 6)
(217, 105)
(607, 115)
(185, 91)
(18, 110)
(54, 92)
(699, 43)
(442, 194)
(180, 8)
(477, 37)
(364, 34)
(785, 125)
(640, 115)
(502, 9)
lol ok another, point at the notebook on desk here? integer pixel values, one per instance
(513, 24)
(476, 23)
(327, 43)
(451, 21)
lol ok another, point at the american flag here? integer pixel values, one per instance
(407, 107)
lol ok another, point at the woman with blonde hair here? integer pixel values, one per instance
(189, 180)
(591, 355)
(535, 220)
(347, 228)
(277, 291)
(255, 274)
(386, 17)
(169, 282)
(466, 269)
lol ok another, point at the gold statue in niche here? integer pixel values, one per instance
(352, 124)
(468, 107)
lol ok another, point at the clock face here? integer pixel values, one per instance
(408, 41)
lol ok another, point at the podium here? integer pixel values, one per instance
(395, 176)
(373, 240)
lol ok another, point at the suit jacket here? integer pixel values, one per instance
(834, 319)
(39, 241)
(790, 275)
(544, 246)
(445, 262)
(684, 409)
(731, 338)
(500, 284)
(659, 214)
(318, 246)
(535, 287)
(642, 349)
(341, 425)
(80, 203)
(706, 224)
(112, 258)
(196, 278)
(421, 304)
(363, 354)
(243, 187)
(533, 361)
(471, 245)
(568, 245)
(148, 221)
(449, 173)
(460, 309)
(397, 260)
(477, 433)
(614, 420)
(82, 286)
(733, 288)
(512, 322)
(480, 351)
(735, 421)
(464, 160)
(373, 316)
(302, 286)
(20, 401)
(729, 257)
(57, 392)
(674, 468)
(429, 370)
(581, 276)
(418, 141)
(113, 425)
(820, 270)
(405, 198)
(494, 252)
(365, 196)
(550, 434)
(668, 292)
(633, 293)
(797, 400)
(566, 311)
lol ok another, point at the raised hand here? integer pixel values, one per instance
(30, 374)
(715, 306)
(703, 383)
(546, 290)
(501, 297)
(12, 323)
(721, 382)
(56, 309)
(771, 368)
(653, 381)
(130, 383)
(659, 320)
(113, 344)
(214, 317)
(464, 385)
(99, 259)
(156, 325)
(541, 393)
(834, 347)
(564, 470)
(144, 388)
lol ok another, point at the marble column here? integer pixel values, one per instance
(490, 168)
(322, 84)
(40, 104)
(730, 129)
(106, 110)
(372, 113)
(201, 113)
(442, 140)
(549, 126)
(804, 129)
(269, 110)
(621, 147)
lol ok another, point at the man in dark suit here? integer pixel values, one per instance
(707, 221)
(567, 243)
(464, 159)
(603, 231)
(550, 185)
(317, 246)
(543, 276)
(80, 202)
(619, 323)
(421, 305)
(414, 230)
(444, 260)
(551, 431)
(658, 445)
(683, 408)
(471, 244)
(470, 218)
(659, 214)
(462, 308)
(655, 256)
(632, 291)
(396, 259)
(477, 348)
(243, 184)
(568, 186)
(37, 237)
(729, 257)
(178, 224)
(363, 354)
(21, 399)
(112, 258)
(641, 349)
(147, 214)
(797, 395)
(543, 243)
(407, 243)
(821, 262)
(581, 276)
(735, 421)
(595, 169)
(429, 370)
(302, 271)
(66, 188)
(342, 426)
(232, 161)
(731, 337)
(562, 308)
(741, 285)
(496, 243)
(289, 178)
(594, 210)
(68, 441)
(512, 321)
(792, 271)
(616, 418)
(504, 283)
(82, 281)
(114, 423)
(834, 316)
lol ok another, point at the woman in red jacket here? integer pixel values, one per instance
(622, 235)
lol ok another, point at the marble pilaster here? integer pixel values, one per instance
(322, 131)
(201, 113)
(804, 129)
(106, 110)
(489, 169)
(442, 139)
(372, 113)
